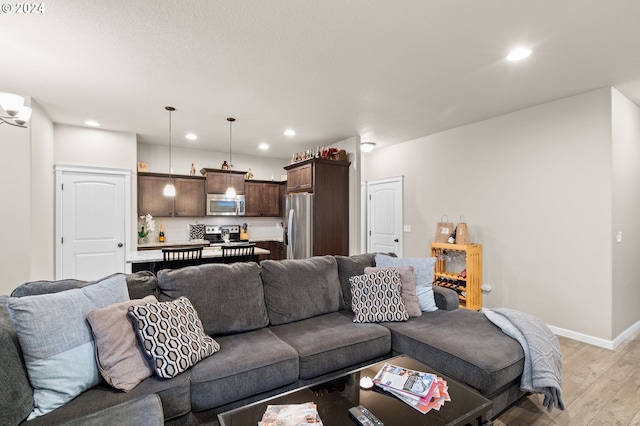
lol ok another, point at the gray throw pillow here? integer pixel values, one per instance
(423, 268)
(55, 336)
(121, 361)
(409, 296)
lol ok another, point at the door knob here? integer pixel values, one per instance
(396, 240)
(120, 244)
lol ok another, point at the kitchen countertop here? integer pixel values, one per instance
(158, 245)
(147, 256)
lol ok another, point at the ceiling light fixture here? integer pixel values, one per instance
(231, 192)
(92, 123)
(290, 132)
(191, 136)
(367, 146)
(170, 189)
(263, 146)
(13, 111)
(519, 54)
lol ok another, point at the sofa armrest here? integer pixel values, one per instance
(446, 298)
(145, 411)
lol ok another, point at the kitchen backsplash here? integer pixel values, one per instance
(177, 229)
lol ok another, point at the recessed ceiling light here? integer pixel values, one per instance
(191, 136)
(92, 123)
(290, 132)
(263, 146)
(519, 53)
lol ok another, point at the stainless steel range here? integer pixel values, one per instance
(218, 235)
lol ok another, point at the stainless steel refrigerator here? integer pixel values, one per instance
(298, 232)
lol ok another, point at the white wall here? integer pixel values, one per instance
(535, 188)
(15, 214)
(626, 212)
(82, 146)
(352, 147)
(157, 157)
(42, 243)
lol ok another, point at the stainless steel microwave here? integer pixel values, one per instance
(221, 205)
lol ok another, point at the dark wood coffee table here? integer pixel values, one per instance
(334, 397)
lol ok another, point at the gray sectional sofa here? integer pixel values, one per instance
(280, 325)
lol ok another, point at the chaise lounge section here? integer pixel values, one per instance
(280, 325)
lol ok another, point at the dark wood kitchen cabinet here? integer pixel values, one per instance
(190, 199)
(328, 180)
(300, 177)
(218, 180)
(263, 198)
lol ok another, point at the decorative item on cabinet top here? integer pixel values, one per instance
(324, 152)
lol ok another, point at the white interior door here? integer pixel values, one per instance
(384, 216)
(91, 223)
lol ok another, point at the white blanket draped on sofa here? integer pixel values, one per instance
(542, 357)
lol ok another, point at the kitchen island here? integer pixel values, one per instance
(151, 260)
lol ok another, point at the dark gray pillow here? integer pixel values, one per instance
(350, 267)
(303, 288)
(228, 297)
(17, 396)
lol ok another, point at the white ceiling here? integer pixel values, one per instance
(389, 71)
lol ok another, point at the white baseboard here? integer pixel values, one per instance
(596, 341)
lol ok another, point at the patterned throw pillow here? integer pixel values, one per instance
(171, 335)
(376, 297)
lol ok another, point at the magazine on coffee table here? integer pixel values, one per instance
(401, 379)
(291, 415)
(436, 397)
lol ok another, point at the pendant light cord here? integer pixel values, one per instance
(170, 109)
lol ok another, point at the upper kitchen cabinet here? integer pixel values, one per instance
(299, 177)
(263, 198)
(190, 199)
(316, 173)
(219, 180)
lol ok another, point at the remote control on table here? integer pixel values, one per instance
(364, 417)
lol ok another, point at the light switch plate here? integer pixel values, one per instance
(619, 237)
(407, 228)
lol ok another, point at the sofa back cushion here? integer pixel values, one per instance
(139, 284)
(302, 288)
(350, 267)
(17, 396)
(228, 297)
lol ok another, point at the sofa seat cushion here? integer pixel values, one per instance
(461, 344)
(333, 341)
(174, 394)
(229, 298)
(247, 364)
(297, 289)
(145, 411)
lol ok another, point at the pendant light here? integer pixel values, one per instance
(169, 189)
(231, 192)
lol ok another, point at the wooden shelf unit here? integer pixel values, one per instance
(473, 265)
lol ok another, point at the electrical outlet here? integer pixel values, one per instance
(619, 237)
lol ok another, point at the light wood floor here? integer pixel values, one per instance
(600, 387)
